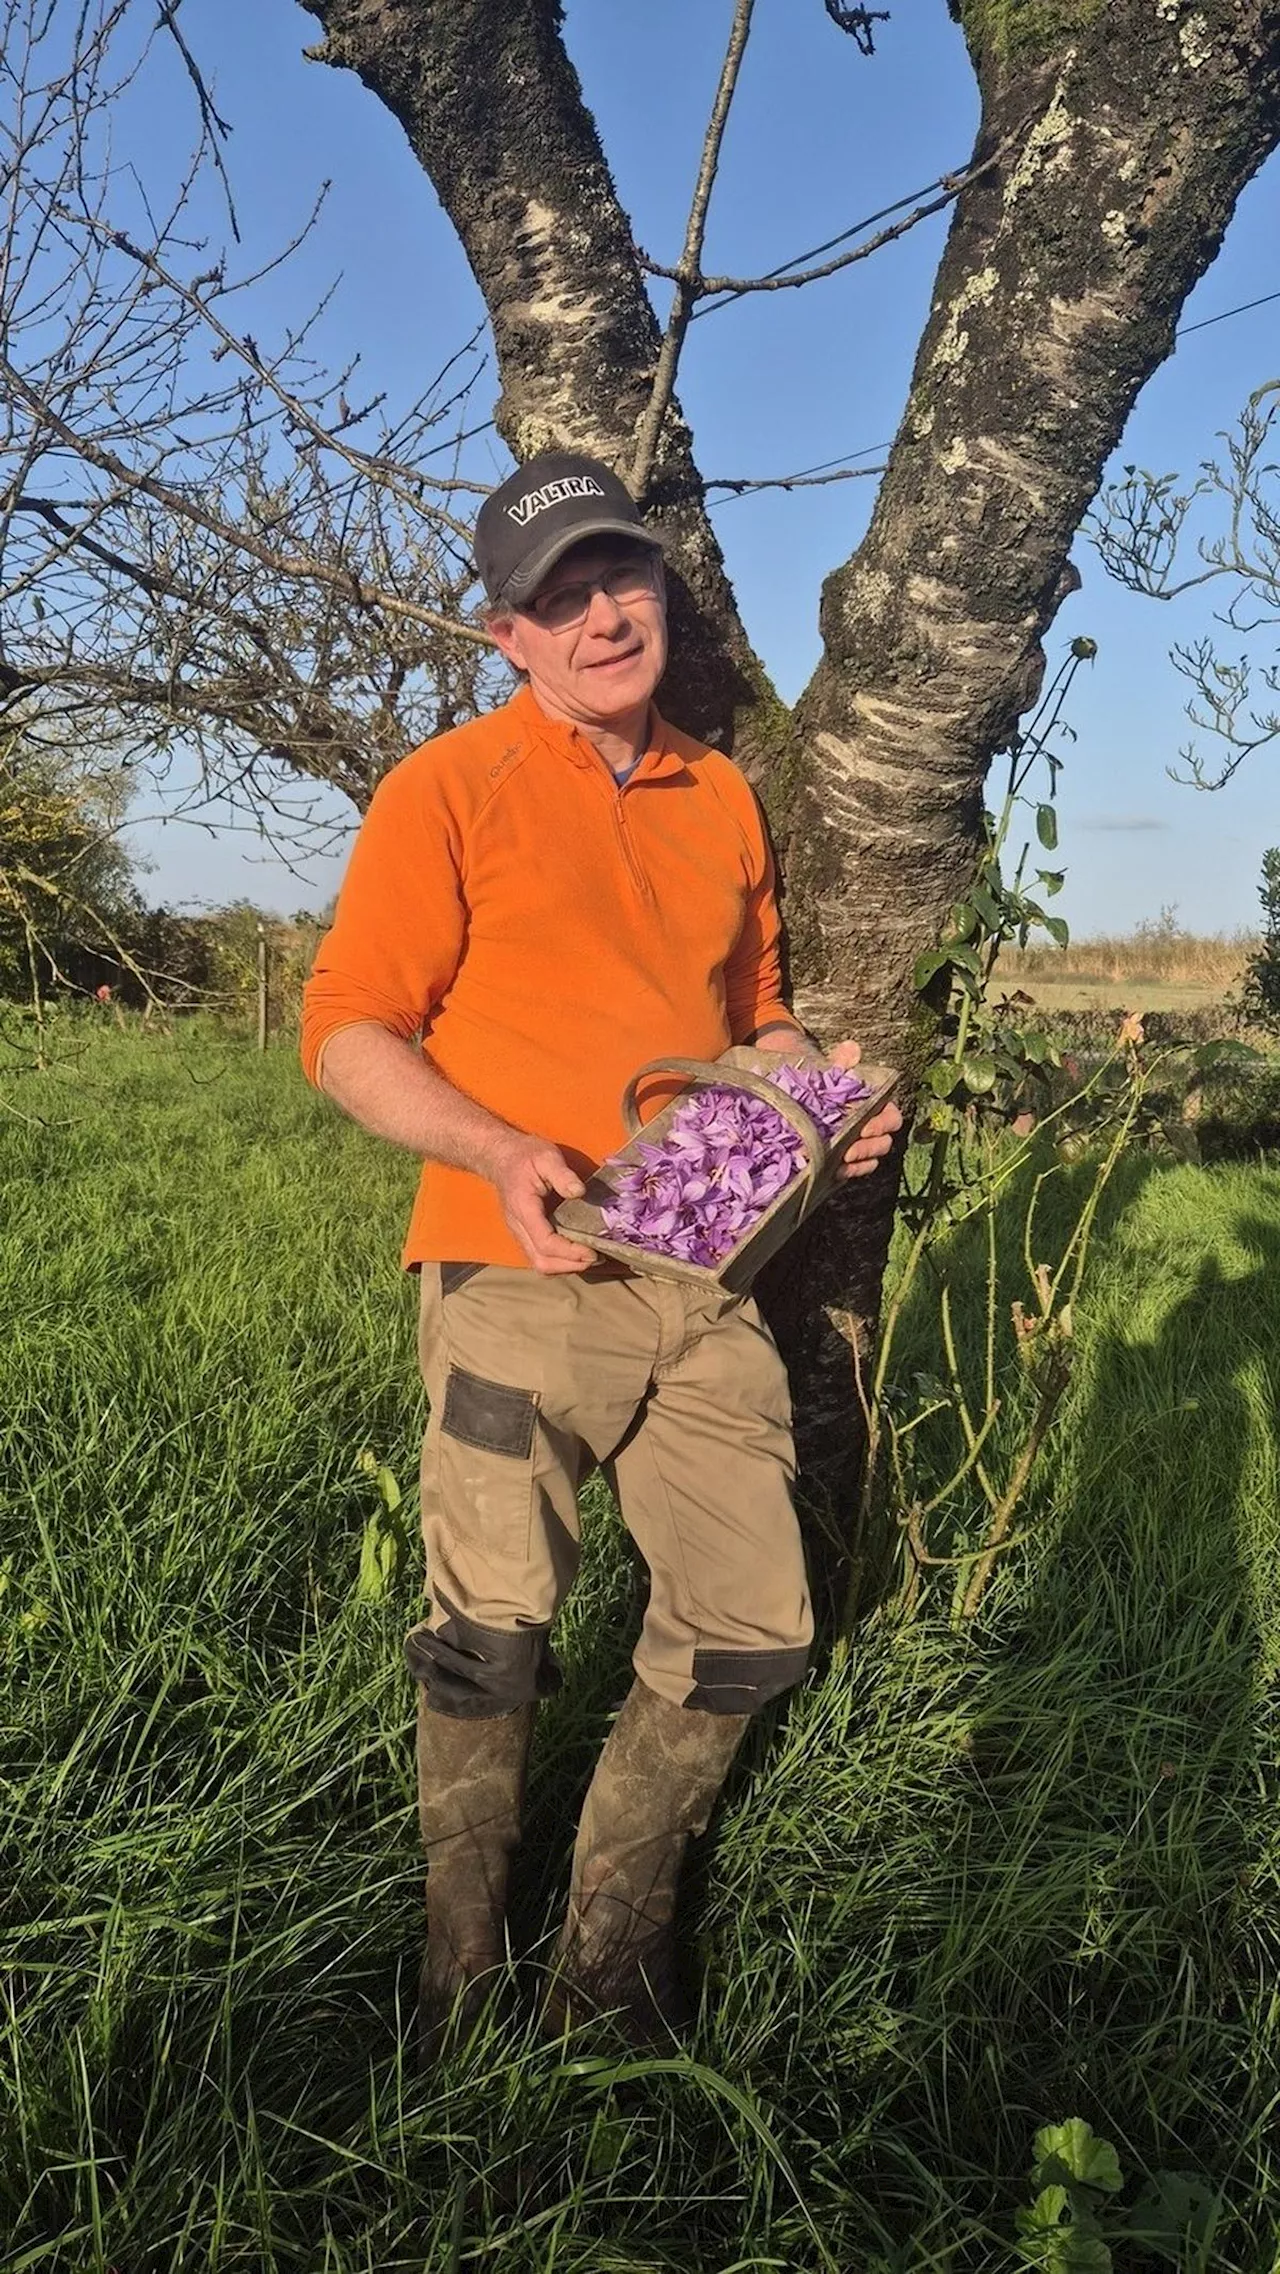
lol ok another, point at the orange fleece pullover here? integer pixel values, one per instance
(546, 933)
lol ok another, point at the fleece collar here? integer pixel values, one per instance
(660, 757)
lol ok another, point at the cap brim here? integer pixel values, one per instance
(528, 577)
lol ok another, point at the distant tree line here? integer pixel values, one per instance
(74, 922)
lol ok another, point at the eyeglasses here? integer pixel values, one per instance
(566, 605)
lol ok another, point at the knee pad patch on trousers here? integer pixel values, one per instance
(741, 1681)
(477, 1673)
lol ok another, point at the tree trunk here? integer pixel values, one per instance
(494, 111)
(1127, 141)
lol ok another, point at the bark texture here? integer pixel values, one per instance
(494, 111)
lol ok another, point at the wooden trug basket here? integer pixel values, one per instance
(737, 1069)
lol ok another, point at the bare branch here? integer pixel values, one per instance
(795, 481)
(921, 202)
(687, 275)
(733, 287)
(213, 124)
(189, 508)
(202, 570)
(1140, 529)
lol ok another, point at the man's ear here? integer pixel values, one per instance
(505, 632)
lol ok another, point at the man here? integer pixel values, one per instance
(536, 904)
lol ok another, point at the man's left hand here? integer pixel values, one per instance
(876, 1137)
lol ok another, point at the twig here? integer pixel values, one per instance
(401, 482)
(911, 1526)
(720, 290)
(688, 274)
(794, 481)
(1056, 1378)
(828, 245)
(213, 124)
(730, 287)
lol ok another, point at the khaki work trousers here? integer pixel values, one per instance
(679, 1394)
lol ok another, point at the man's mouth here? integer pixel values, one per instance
(611, 662)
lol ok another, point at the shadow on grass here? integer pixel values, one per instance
(1099, 1951)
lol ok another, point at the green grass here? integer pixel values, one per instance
(963, 1887)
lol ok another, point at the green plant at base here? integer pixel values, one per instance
(1073, 2172)
(995, 1090)
(384, 1545)
(1259, 1003)
(1074, 2219)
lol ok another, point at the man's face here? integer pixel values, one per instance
(593, 655)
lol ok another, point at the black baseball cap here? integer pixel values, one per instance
(551, 502)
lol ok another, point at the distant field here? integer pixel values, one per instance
(1073, 994)
(1156, 968)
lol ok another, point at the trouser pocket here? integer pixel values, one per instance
(485, 1455)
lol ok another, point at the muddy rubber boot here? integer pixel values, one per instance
(470, 1794)
(656, 1782)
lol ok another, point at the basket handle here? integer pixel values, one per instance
(706, 1070)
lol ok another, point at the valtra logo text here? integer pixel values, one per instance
(553, 493)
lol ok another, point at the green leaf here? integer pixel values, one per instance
(1175, 2207)
(1046, 2211)
(1052, 880)
(1091, 2162)
(1058, 928)
(1211, 1054)
(1047, 827)
(925, 967)
(940, 1119)
(942, 1077)
(963, 920)
(979, 1074)
(609, 2139)
(1069, 2252)
(377, 1563)
(1036, 1048)
(987, 907)
(965, 959)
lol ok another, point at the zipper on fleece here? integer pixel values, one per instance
(617, 796)
(638, 877)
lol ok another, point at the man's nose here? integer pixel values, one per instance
(603, 613)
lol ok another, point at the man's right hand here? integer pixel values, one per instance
(529, 1176)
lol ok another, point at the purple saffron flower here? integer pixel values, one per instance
(725, 1157)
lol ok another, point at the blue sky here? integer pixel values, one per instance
(819, 137)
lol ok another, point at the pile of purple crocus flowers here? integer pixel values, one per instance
(724, 1157)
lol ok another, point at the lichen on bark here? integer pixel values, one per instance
(1036, 27)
